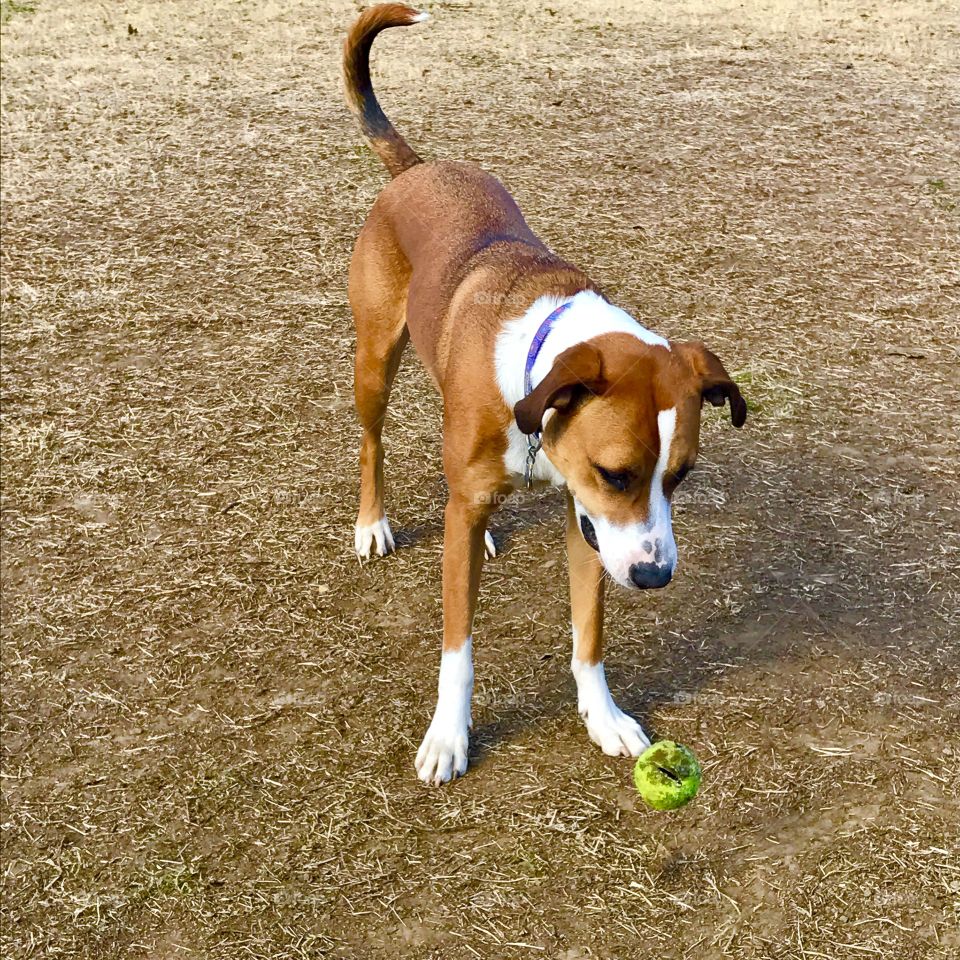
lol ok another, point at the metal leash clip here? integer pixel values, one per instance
(534, 443)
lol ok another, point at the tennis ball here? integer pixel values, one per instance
(667, 775)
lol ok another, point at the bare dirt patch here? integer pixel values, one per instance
(211, 710)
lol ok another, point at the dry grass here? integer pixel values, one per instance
(210, 710)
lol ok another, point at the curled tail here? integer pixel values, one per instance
(389, 146)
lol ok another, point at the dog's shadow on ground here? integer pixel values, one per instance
(519, 513)
(631, 684)
(770, 628)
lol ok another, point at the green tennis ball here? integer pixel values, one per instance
(667, 775)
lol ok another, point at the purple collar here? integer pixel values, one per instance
(543, 331)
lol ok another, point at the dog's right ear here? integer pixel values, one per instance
(716, 385)
(578, 369)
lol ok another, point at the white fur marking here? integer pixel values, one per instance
(621, 546)
(420, 17)
(378, 533)
(616, 733)
(659, 517)
(588, 316)
(443, 753)
(489, 546)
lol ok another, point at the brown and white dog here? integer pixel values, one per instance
(445, 259)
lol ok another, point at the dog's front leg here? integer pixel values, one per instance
(443, 753)
(609, 727)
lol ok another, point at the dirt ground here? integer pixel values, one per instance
(211, 709)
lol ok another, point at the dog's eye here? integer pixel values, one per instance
(618, 479)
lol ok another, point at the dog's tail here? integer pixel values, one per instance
(389, 146)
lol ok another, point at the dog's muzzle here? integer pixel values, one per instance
(638, 556)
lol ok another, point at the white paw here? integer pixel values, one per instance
(443, 753)
(489, 545)
(616, 733)
(376, 535)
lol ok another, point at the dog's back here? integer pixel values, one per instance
(435, 224)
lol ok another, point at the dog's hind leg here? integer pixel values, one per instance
(379, 277)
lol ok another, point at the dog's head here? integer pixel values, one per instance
(623, 427)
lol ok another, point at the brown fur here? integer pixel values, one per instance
(388, 145)
(445, 258)
(586, 592)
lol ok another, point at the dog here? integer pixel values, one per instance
(543, 380)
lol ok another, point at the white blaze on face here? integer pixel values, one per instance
(622, 546)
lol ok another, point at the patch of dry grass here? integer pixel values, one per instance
(211, 710)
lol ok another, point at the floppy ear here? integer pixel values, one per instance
(574, 371)
(716, 385)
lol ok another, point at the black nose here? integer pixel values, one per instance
(589, 534)
(650, 576)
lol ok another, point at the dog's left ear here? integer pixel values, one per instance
(716, 385)
(577, 370)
